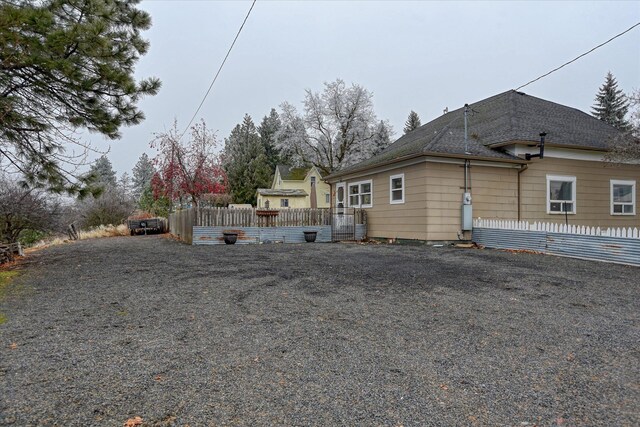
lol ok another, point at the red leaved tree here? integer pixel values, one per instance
(188, 168)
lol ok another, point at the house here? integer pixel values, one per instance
(295, 188)
(429, 183)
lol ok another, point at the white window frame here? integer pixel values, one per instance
(360, 193)
(283, 204)
(632, 183)
(327, 198)
(391, 189)
(573, 200)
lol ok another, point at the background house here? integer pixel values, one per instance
(414, 189)
(295, 188)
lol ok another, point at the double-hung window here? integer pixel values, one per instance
(623, 197)
(360, 194)
(284, 203)
(396, 189)
(561, 194)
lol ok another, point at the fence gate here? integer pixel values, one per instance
(343, 224)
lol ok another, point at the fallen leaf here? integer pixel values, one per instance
(133, 422)
(444, 387)
(13, 346)
(158, 378)
(571, 357)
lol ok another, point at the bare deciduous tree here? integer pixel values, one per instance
(23, 209)
(338, 128)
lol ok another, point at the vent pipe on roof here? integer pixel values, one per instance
(466, 140)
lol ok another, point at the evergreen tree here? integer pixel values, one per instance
(157, 206)
(64, 66)
(124, 185)
(611, 104)
(142, 173)
(245, 162)
(382, 137)
(103, 173)
(412, 123)
(268, 127)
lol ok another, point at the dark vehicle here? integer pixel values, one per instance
(147, 225)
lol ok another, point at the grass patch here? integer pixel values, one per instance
(5, 279)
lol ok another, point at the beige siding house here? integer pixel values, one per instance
(415, 188)
(295, 188)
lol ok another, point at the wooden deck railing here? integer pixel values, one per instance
(181, 222)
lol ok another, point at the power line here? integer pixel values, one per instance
(580, 56)
(219, 69)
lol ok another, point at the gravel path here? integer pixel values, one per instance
(101, 331)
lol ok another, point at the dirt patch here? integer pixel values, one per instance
(317, 334)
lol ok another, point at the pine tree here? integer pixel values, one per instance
(268, 127)
(245, 162)
(412, 123)
(124, 185)
(67, 66)
(611, 104)
(382, 137)
(142, 173)
(103, 172)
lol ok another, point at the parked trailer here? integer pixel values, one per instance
(155, 225)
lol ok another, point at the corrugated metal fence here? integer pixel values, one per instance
(618, 245)
(249, 235)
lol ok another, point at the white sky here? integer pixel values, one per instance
(415, 55)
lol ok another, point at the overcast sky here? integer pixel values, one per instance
(421, 56)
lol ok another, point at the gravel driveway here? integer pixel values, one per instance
(101, 331)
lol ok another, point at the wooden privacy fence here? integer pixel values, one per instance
(220, 217)
(620, 245)
(181, 222)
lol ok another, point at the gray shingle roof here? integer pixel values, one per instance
(506, 117)
(284, 193)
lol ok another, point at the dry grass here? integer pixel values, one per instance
(105, 231)
(94, 233)
(45, 244)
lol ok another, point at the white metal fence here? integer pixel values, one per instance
(626, 232)
(620, 245)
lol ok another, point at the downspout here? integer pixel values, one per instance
(522, 169)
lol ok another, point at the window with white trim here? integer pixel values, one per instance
(327, 198)
(396, 189)
(361, 194)
(561, 194)
(623, 197)
(284, 203)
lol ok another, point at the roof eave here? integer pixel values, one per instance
(423, 154)
(547, 144)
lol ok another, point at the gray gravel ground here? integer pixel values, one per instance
(317, 334)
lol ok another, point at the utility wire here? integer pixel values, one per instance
(580, 56)
(219, 70)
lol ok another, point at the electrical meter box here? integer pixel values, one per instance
(467, 217)
(466, 199)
